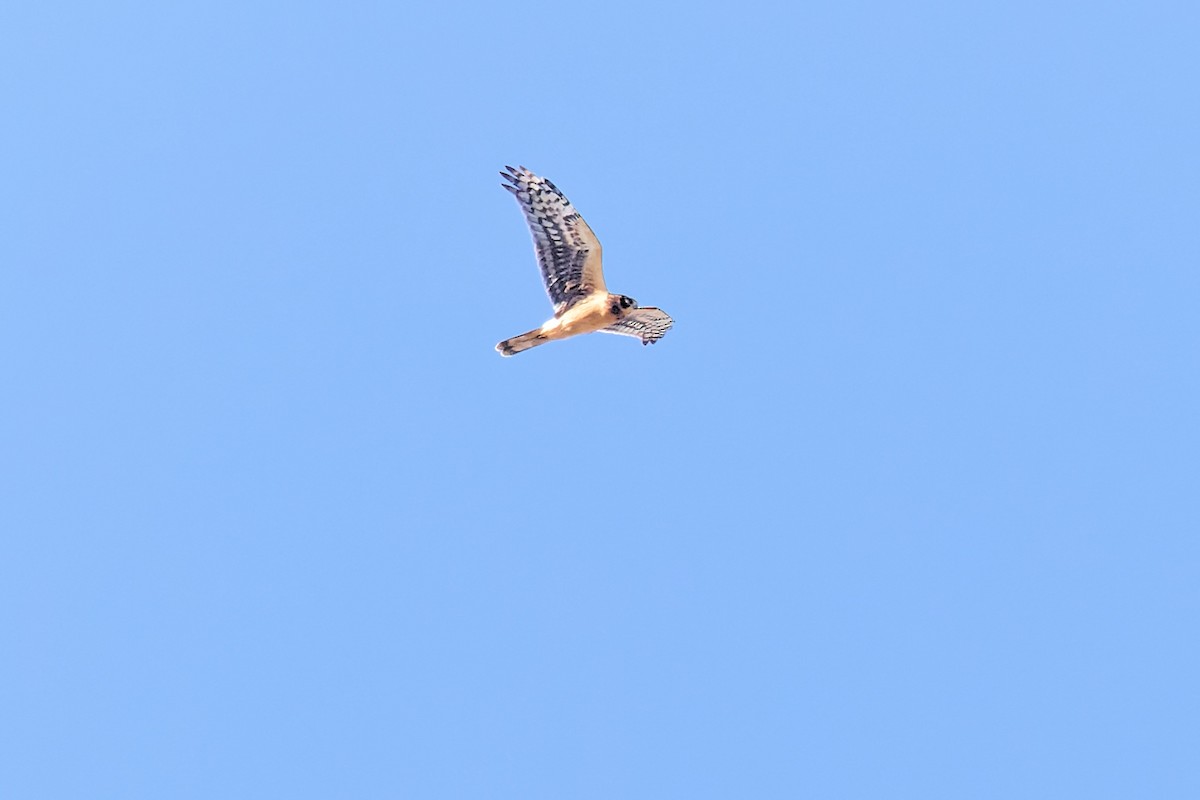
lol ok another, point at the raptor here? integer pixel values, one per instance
(568, 254)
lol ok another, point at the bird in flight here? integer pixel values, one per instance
(569, 256)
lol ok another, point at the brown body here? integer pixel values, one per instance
(589, 315)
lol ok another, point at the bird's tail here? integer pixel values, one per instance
(523, 342)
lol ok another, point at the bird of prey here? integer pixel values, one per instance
(569, 256)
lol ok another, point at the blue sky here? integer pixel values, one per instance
(904, 506)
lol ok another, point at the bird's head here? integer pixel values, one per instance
(620, 304)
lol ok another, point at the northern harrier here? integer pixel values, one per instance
(569, 256)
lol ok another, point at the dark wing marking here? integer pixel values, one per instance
(648, 324)
(568, 253)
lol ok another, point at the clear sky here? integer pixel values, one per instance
(906, 505)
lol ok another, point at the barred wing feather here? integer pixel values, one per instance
(648, 324)
(568, 253)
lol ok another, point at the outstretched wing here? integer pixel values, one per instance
(567, 250)
(648, 324)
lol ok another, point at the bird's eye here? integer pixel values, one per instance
(624, 302)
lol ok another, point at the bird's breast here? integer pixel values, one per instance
(590, 315)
